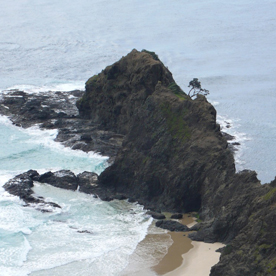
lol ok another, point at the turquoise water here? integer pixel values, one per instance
(22, 149)
(85, 235)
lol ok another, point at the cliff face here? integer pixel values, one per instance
(174, 158)
(172, 143)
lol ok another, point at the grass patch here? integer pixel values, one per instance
(177, 91)
(270, 194)
(197, 218)
(145, 160)
(271, 267)
(177, 126)
(155, 57)
(92, 81)
(227, 249)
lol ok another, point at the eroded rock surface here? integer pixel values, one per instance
(57, 110)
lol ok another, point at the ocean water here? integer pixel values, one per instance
(57, 45)
(86, 236)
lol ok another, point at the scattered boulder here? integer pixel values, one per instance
(21, 186)
(156, 215)
(62, 179)
(87, 182)
(177, 216)
(84, 232)
(172, 225)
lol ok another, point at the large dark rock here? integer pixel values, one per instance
(172, 144)
(62, 179)
(87, 182)
(156, 215)
(175, 158)
(172, 225)
(177, 216)
(21, 186)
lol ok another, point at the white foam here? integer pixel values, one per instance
(46, 138)
(98, 232)
(5, 120)
(231, 126)
(148, 253)
(63, 87)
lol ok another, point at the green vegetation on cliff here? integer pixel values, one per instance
(91, 81)
(177, 126)
(177, 91)
(154, 56)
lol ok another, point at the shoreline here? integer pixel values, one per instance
(185, 255)
(199, 260)
(181, 245)
(179, 255)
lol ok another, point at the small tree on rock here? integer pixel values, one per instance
(196, 88)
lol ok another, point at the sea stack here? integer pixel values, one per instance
(174, 158)
(167, 152)
(173, 147)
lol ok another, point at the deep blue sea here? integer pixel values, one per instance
(57, 45)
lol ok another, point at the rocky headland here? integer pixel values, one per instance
(167, 152)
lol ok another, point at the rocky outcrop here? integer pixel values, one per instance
(21, 186)
(169, 154)
(172, 145)
(87, 182)
(175, 158)
(62, 179)
(57, 110)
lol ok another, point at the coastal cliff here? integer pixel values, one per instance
(172, 143)
(166, 151)
(175, 158)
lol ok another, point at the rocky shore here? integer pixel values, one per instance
(166, 152)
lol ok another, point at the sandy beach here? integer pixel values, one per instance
(187, 257)
(174, 254)
(199, 260)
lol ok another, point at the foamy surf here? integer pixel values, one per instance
(86, 234)
(63, 87)
(22, 149)
(231, 126)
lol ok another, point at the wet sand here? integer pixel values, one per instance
(173, 259)
(181, 244)
(172, 254)
(186, 257)
(199, 260)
